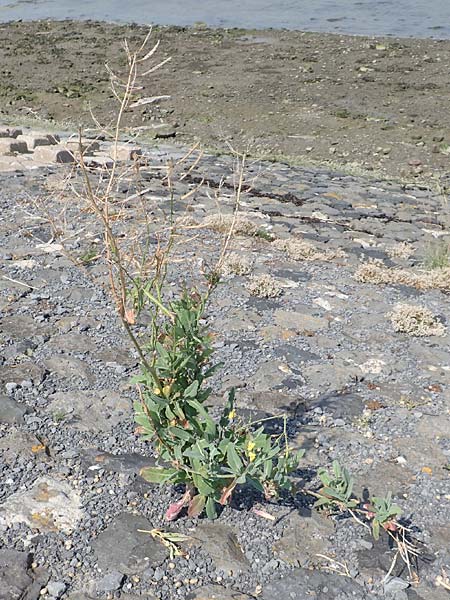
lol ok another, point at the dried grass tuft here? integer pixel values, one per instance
(416, 321)
(264, 286)
(222, 224)
(400, 250)
(235, 264)
(301, 250)
(376, 272)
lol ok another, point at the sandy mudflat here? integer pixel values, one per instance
(376, 104)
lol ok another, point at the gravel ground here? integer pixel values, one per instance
(324, 351)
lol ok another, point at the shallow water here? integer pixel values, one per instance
(418, 18)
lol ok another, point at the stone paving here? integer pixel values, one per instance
(322, 346)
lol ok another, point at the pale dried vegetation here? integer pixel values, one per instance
(264, 286)
(376, 272)
(415, 321)
(240, 224)
(301, 250)
(401, 250)
(235, 264)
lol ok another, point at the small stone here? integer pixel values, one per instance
(56, 588)
(394, 585)
(110, 582)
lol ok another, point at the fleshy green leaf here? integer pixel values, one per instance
(211, 511)
(157, 474)
(233, 459)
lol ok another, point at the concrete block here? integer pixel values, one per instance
(12, 146)
(101, 162)
(33, 141)
(53, 154)
(9, 132)
(87, 146)
(125, 152)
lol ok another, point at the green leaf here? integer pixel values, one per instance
(191, 390)
(157, 474)
(256, 484)
(202, 485)
(196, 505)
(181, 434)
(321, 502)
(233, 459)
(211, 511)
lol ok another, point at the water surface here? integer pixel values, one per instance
(418, 18)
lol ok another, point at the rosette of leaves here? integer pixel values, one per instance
(210, 457)
(337, 488)
(383, 513)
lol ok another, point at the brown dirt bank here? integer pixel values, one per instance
(376, 104)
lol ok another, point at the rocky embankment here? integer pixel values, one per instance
(352, 343)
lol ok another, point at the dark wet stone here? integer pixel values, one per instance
(293, 355)
(217, 592)
(125, 464)
(341, 406)
(302, 583)
(292, 275)
(17, 581)
(121, 547)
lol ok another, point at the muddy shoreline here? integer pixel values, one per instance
(366, 104)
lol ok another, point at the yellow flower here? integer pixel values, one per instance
(250, 445)
(156, 391)
(231, 414)
(251, 456)
(166, 390)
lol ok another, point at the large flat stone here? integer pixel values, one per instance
(14, 577)
(122, 548)
(49, 505)
(90, 410)
(68, 367)
(26, 371)
(12, 412)
(303, 538)
(18, 327)
(221, 544)
(17, 444)
(125, 464)
(299, 321)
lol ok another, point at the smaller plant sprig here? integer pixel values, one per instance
(383, 514)
(380, 514)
